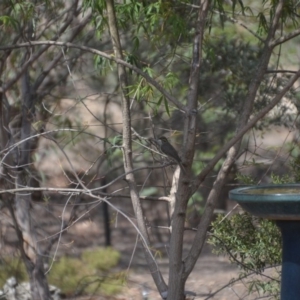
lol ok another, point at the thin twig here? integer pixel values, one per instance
(171, 98)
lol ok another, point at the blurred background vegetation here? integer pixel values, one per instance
(78, 101)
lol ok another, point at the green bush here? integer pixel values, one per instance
(254, 244)
(89, 274)
(10, 266)
(101, 259)
(66, 273)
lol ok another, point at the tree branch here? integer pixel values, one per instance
(127, 148)
(34, 57)
(195, 251)
(246, 110)
(119, 61)
(179, 193)
(285, 38)
(243, 125)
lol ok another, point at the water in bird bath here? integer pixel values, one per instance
(272, 191)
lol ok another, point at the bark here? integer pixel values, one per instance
(127, 150)
(181, 189)
(34, 260)
(21, 215)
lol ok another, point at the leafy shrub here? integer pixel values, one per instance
(253, 243)
(10, 266)
(101, 259)
(88, 274)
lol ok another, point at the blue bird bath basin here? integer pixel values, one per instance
(276, 202)
(280, 203)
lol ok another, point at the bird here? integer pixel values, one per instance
(169, 150)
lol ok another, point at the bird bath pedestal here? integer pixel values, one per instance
(280, 203)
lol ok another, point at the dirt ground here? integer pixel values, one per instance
(211, 272)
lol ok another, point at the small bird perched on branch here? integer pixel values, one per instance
(166, 148)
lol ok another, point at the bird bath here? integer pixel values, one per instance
(280, 203)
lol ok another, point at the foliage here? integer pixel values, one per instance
(10, 266)
(90, 274)
(295, 166)
(254, 244)
(161, 39)
(230, 60)
(101, 259)
(245, 179)
(66, 273)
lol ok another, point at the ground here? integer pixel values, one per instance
(211, 272)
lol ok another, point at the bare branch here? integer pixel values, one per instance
(281, 71)
(285, 38)
(35, 56)
(242, 126)
(78, 29)
(195, 251)
(119, 61)
(241, 24)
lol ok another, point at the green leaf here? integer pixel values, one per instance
(117, 140)
(136, 43)
(166, 106)
(9, 21)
